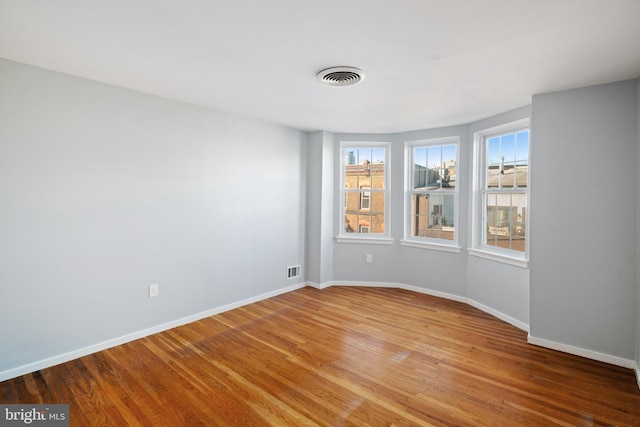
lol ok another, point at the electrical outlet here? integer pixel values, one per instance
(153, 290)
(369, 257)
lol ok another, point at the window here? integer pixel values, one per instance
(432, 192)
(365, 199)
(364, 183)
(501, 194)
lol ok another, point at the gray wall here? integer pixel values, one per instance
(104, 191)
(638, 241)
(502, 288)
(584, 203)
(349, 259)
(427, 268)
(320, 166)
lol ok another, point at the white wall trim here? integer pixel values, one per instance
(430, 245)
(505, 318)
(319, 285)
(433, 293)
(85, 351)
(65, 357)
(495, 256)
(365, 240)
(589, 354)
(366, 284)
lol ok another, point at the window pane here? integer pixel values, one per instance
(377, 155)
(508, 149)
(449, 155)
(493, 151)
(352, 201)
(349, 156)
(519, 234)
(522, 158)
(377, 201)
(350, 219)
(491, 232)
(351, 168)
(420, 167)
(356, 160)
(420, 211)
(364, 167)
(493, 162)
(376, 175)
(364, 155)
(507, 160)
(434, 167)
(522, 147)
(377, 222)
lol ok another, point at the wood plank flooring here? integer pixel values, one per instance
(337, 357)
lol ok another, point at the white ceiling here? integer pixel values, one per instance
(429, 63)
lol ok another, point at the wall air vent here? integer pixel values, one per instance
(293, 272)
(341, 76)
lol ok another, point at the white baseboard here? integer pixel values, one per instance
(504, 317)
(431, 292)
(45, 363)
(319, 285)
(85, 351)
(589, 354)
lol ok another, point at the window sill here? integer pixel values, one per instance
(366, 240)
(429, 245)
(505, 259)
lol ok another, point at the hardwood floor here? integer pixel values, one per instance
(340, 356)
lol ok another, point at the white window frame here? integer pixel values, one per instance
(378, 238)
(430, 242)
(478, 208)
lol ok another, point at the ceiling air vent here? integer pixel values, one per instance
(341, 76)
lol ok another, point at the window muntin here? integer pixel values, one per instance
(365, 186)
(432, 196)
(503, 168)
